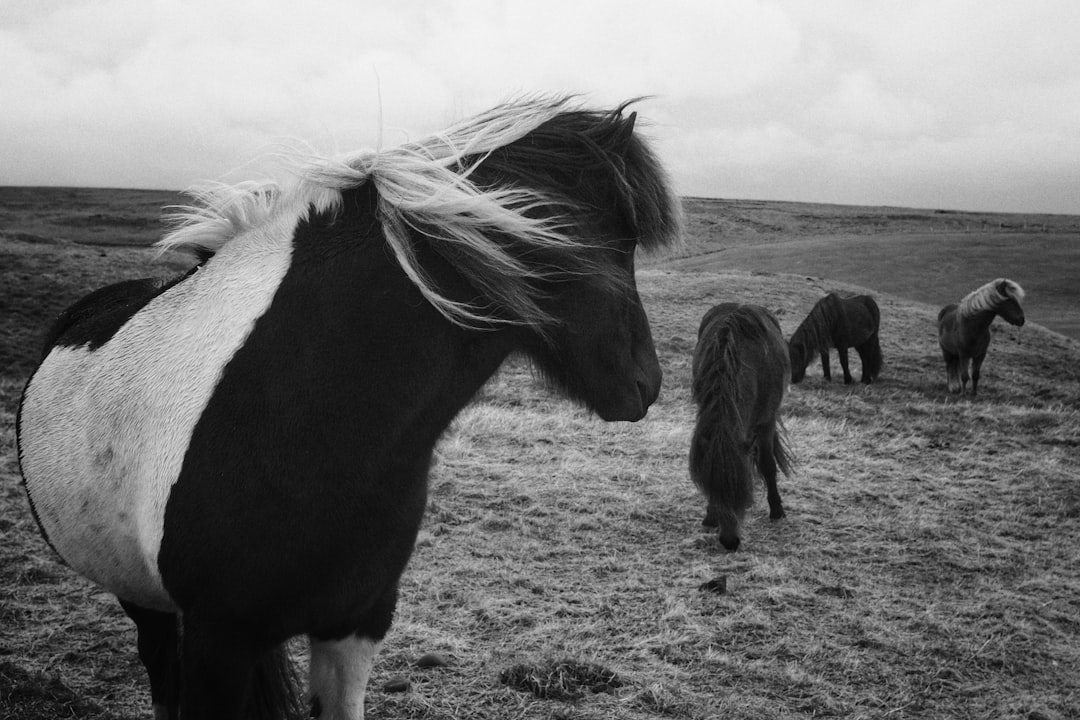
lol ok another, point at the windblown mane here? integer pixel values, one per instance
(990, 296)
(492, 195)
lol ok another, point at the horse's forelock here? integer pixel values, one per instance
(584, 140)
(1012, 289)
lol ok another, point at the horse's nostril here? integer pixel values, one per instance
(730, 544)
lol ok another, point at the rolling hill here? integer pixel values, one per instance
(929, 565)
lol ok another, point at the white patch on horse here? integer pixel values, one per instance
(339, 675)
(100, 471)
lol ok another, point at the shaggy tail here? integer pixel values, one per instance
(872, 358)
(275, 688)
(719, 457)
(781, 451)
(874, 361)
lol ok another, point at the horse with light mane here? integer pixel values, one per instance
(241, 454)
(964, 329)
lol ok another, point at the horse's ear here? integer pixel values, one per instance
(625, 131)
(1003, 288)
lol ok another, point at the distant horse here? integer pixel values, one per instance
(838, 322)
(964, 329)
(246, 448)
(740, 372)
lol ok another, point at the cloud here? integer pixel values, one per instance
(761, 98)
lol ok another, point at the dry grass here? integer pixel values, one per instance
(929, 565)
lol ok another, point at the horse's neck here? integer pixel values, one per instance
(385, 363)
(978, 322)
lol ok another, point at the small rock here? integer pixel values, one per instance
(431, 660)
(397, 684)
(838, 591)
(717, 585)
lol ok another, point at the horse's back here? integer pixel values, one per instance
(946, 312)
(91, 320)
(106, 417)
(860, 319)
(872, 310)
(747, 315)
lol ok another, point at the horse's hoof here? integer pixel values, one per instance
(777, 515)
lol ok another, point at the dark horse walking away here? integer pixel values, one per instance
(964, 329)
(740, 373)
(246, 448)
(838, 322)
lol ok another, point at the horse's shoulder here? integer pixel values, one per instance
(94, 318)
(947, 310)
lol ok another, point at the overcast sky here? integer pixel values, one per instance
(953, 104)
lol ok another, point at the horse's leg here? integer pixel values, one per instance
(825, 364)
(712, 516)
(952, 371)
(864, 359)
(842, 354)
(767, 448)
(339, 676)
(964, 377)
(341, 666)
(976, 366)
(159, 651)
(217, 672)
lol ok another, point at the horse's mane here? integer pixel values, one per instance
(990, 296)
(815, 332)
(486, 194)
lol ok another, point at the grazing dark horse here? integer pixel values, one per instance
(246, 448)
(964, 329)
(838, 322)
(740, 373)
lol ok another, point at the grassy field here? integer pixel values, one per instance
(931, 256)
(929, 565)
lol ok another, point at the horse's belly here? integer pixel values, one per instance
(88, 477)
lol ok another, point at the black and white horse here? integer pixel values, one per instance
(241, 454)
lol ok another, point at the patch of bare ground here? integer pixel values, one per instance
(928, 566)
